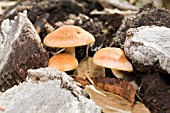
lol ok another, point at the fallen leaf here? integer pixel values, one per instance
(116, 86)
(139, 107)
(123, 75)
(109, 102)
(112, 103)
(87, 68)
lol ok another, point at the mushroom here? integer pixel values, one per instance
(113, 58)
(68, 37)
(63, 62)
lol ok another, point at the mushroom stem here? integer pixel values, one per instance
(70, 51)
(119, 73)
(87, 51)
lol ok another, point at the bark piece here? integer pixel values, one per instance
(148, 47)
(48, 91)
(21, 49)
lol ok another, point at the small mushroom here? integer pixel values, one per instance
(68, 37)
(113, 58)
(63, 62)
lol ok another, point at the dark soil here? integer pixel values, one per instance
(155, 93)
(154, 86)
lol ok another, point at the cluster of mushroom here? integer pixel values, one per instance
(70, 36)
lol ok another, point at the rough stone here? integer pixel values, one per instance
(21, 49)
(148, 46)
(47, 90)
(148, 15)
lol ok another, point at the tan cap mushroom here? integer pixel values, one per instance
(63, 62)
(113, 58)
(69, 36)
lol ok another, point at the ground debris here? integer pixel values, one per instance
(148, 15)
(120, 87)
(87, 68)
(47, 15)
(148, 48)
(47, 91)
(155, 93)
(21, 49)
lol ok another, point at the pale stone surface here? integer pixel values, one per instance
(148, 45)
(47, 91)
(21, 49)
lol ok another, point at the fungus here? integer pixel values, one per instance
(63, 62)
(113, 58)
(68, 37)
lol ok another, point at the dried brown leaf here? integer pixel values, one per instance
(139, 107)
(109, 102)
(87, 67)
(116, 86)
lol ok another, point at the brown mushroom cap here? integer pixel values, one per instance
(63, 62)
(112, 58)
(68, 36)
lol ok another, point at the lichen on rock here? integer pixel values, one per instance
(47, 91)
(148, 46)
(149, 15)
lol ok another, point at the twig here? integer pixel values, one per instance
(89, 79)
(121, 4)
(113, 11)
(7, 4)
(58, 52)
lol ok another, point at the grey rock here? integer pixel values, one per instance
(47, 90)
(148, 46)
(149, 15)
(21, 49)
